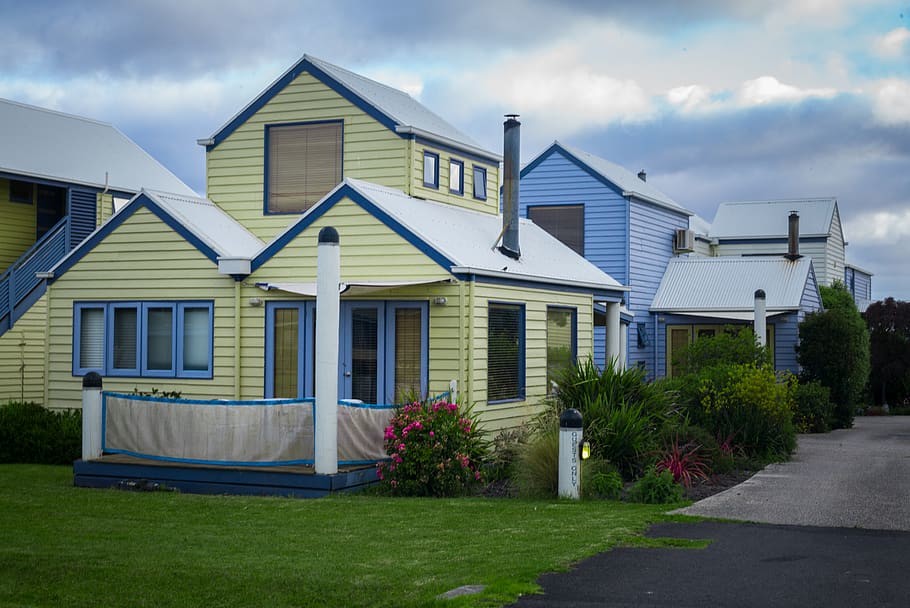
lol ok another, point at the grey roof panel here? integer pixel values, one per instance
(692, 284)
(45, 144)
(768, 219)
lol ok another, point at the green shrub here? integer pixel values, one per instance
(834, 349)
(814, 410)
(620, 411)
(656, 488)
(736, 344)
(30, 433)
(600, 479)
(685, 432)
(749, 407)
(506, 452)
(434, 450)
(537, 474)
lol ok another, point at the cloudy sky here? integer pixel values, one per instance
(718, 100)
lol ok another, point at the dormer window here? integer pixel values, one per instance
(480, 183)
(430, 170)
(303, 163)
(456, 176)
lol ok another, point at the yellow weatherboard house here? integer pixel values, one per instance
(215, 297)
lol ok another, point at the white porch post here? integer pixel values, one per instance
(623, 345)
(760, 322)
(614, 342)
(328, 279)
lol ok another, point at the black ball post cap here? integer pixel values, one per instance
(570, 419)
(328, 235)
(91, 380)
(760, 293)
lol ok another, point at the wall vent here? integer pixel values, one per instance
(683, 241)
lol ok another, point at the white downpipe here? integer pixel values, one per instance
(614, 342)
(760, 323)
(328, 280)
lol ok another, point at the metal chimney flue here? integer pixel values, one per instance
(793, 237)
(511, 167)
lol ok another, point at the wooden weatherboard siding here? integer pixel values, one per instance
(510, 414)
(651, 230)
(22, 356)
(235, 167)
(17, 227)
(835, 253)
(559, 181)
(442, 194)
(143, 260)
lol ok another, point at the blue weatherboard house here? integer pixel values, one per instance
(617, 220)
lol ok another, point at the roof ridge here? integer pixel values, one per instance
(317, 60)
(56, 112)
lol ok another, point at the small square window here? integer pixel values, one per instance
(21, 192)
(480, 183)
(430, 170)
(456, 176)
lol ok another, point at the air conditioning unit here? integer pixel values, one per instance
(683, 241)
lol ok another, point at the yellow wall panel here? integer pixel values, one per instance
(22, 356)
(17, 227)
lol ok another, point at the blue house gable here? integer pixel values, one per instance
(618, 221)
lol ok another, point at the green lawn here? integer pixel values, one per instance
(66, 546)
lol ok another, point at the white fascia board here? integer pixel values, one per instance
(408, 130)
(536, 279)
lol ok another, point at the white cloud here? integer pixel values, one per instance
(689, 98)
(892, 44)
(768, 89)
(891, 101)
(880, 227)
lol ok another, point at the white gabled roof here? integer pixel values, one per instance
(700, 225)
(467, 238)
(628, 182)
(41, 143)
(209, 223)
(768, 219)
(728, 284)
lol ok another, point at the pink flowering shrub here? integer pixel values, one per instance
(435, 449)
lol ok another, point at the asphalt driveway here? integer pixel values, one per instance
(855, 478)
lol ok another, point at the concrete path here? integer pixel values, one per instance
(855, 478)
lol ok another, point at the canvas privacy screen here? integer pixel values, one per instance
(250, 433)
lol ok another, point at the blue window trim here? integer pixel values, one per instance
(435, 183)
(460, 189)
(141, 370)
(474, 172)
(392, 347)
(306, 311)
(20, 199)
(159, 373)
(77, 337)
(522, 352)
(265, 156)
(110, 370)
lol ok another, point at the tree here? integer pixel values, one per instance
(889, 330)
(834, 349)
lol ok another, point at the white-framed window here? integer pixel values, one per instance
(143, 339)
(303, 163)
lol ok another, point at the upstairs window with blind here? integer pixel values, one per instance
(565, 222)
(505, 352)
(304, 162)
(143, 339)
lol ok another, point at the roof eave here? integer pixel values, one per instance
(409, 130)
(515, 276)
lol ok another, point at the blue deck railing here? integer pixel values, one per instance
(19, 285)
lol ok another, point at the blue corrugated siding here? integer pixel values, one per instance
(650, 249)
(558, 181)
(82, 215)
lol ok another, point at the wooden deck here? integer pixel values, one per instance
(301, 481)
